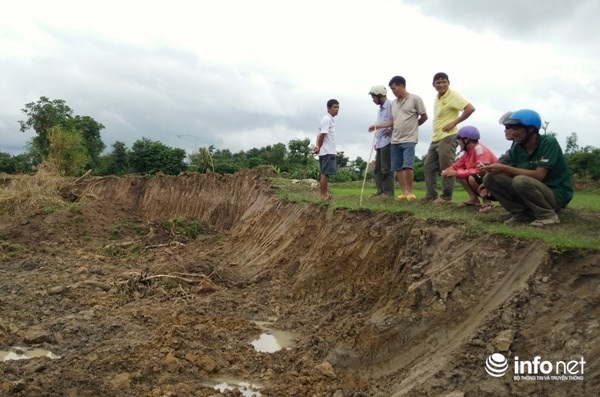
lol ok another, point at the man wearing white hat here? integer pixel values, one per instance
(384, 176)
(408, 113)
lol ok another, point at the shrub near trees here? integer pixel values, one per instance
(584, 163)
(300, 157)
(67, 151)
(151, 157)
(19, 164)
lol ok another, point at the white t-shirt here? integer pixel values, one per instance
(327, 127)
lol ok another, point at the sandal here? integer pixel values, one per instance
(486, 207)
(467, 204)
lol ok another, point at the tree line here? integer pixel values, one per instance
(73, 145)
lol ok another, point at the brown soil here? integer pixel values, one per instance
(380, 304)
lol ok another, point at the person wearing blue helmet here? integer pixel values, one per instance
(535, 183)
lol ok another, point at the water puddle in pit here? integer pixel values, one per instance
(272, 340)
(22, 353)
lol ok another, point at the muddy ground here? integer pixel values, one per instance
(157, 287)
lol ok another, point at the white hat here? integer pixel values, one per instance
(378, 90)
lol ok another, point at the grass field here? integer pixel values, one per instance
(579, 227)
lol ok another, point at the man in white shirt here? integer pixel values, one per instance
(325, 146)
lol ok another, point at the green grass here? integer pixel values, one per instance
(578, 229)
(586, 200)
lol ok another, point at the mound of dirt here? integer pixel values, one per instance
(160, 286)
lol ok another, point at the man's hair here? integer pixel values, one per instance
(440, 76)
(332, 102)
(397, 80)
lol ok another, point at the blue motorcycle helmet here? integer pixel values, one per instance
(526, 117)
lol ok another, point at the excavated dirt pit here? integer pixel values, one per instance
(130, 304)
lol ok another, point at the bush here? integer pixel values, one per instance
(345, 174)
(584, 164)
(67, 153)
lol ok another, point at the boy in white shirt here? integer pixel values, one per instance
(325, 146)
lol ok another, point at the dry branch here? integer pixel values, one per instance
(165, 245)
(82, 176)
(199, 277)
(189, 278)
(64, 288)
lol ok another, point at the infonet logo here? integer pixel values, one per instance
(496, 365)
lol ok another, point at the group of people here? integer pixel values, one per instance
(531, 180)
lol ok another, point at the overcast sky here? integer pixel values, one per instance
(240, 74)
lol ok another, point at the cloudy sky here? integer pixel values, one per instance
(240, 74)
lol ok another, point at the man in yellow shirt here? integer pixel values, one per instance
(449, 110)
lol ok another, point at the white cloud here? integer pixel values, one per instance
(240, 74)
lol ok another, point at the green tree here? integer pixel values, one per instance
(45, 114)
(6, 163)
(41, 117)
(254, 162)
(114, 163)
(341, 160)
(120, 158)
(583, 163)
(419, 166)
(90, 131)
(274, 155)
(226, 168)
(359, 164)
(67, 151)
(300, 155)
(202, 160)
(227, 162)
(572, 146)
(254, 152)
(18, 164)
(150, 157)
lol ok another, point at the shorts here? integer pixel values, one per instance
(327, 164)
(403, 156)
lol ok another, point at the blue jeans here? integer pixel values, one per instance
(403, 156)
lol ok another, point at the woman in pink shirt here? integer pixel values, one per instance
(465, 168)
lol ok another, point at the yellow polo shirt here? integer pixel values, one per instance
(445, 110)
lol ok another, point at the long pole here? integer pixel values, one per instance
(362, 190)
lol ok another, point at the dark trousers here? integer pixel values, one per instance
(522, 196)
(440, 156)
(384, 177)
